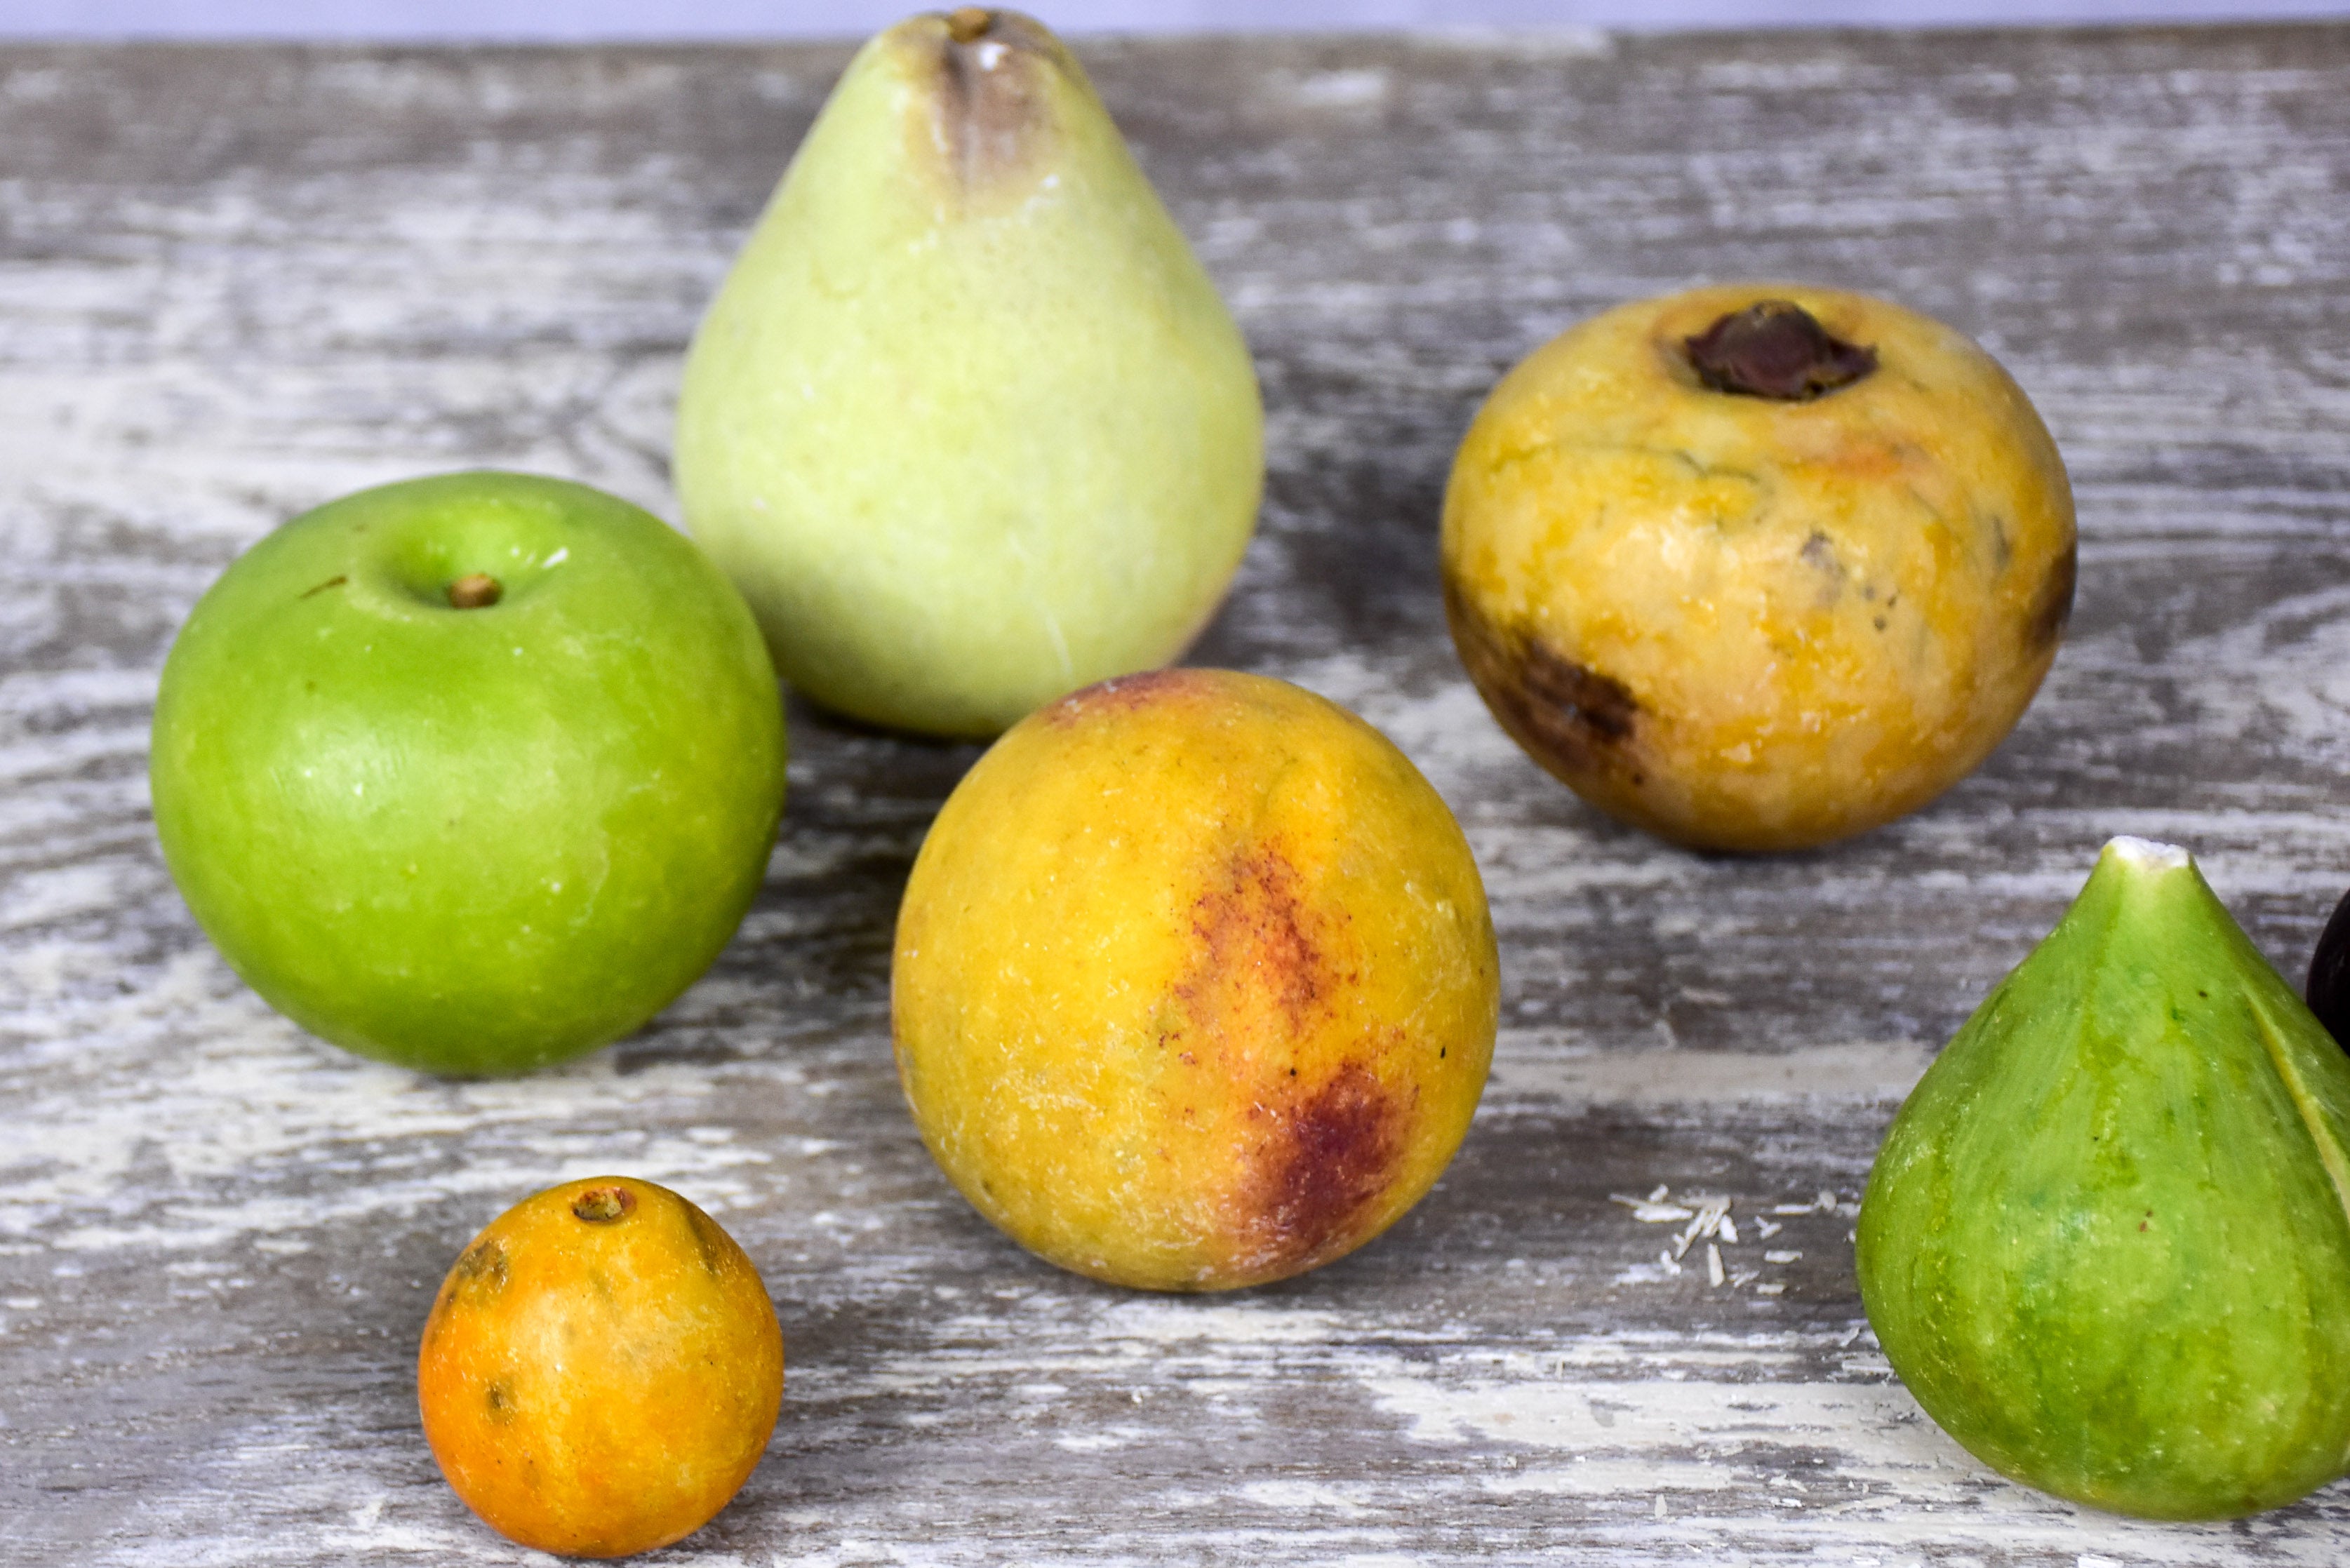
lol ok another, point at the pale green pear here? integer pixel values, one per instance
(967, 423)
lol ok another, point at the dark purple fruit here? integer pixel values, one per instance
(2328, 989)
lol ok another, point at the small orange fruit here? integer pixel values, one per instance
(601, 1369)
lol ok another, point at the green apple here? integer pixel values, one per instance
(470, 774)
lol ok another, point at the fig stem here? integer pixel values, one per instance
(2146, 854)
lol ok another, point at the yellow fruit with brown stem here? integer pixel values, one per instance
(1195, 984)
(601, 1369)
(1758, 567)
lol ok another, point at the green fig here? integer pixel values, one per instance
(2105, 1242)
(968, 423)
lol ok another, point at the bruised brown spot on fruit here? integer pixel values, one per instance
(1125, 693)
(475, 590)
(1819, 553)
(499, 1398)
(992, 117)
(603, 1205)
(336, 581)
(2051, 608)
(1579, 717)
(709, 1241)
(1775, 349)
(1574, 720)
(438, 1317)
(483, 1262)
(1328, 1161)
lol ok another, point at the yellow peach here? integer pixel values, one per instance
(1758, 567)
(1195, 985)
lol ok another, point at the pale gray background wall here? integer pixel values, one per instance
(584, 20)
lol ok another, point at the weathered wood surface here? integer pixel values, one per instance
(236, 282)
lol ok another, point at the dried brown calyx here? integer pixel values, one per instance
(1775, 349)
(475, 590)
(602, 1205)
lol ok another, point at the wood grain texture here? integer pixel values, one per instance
(234, 283)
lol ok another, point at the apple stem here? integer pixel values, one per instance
(475, 590)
